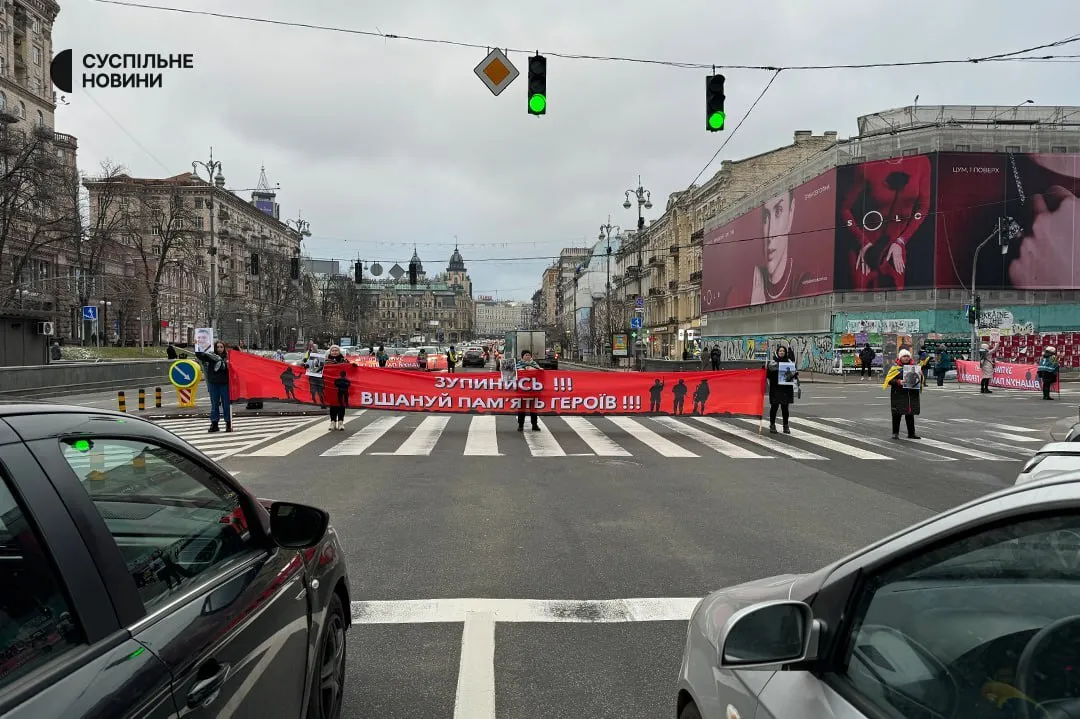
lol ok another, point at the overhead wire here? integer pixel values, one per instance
(1011, 56)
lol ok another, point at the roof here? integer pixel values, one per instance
(14, 410)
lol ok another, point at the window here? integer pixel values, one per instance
(22, 110)
(173, 521)
(1059, 148)
(36, 624)
(3, 101)
(1012, 148)
(37, 55)
(950, 632)
(40, 119)
(963, 148)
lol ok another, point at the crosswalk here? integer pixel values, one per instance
(422, 435)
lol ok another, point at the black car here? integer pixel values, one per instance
(473, 358)
(137, 578)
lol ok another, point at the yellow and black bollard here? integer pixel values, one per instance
(157, 397)
(142, 399)
(121, 403)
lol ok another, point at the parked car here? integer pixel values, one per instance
(1074, 434)
(1052, 458)
(138, 578)
(473, 357)
(971, 613)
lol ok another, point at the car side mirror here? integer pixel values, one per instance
(297, 526)
(769, 635)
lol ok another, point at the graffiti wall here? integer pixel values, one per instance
(812, 352)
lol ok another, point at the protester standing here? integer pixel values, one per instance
(421, 359)
(714, 357)
(527, 362)
(216, 366)
(780, 395)
(381, 356)
(1048, 370)
(944, 364)
(451, 359)
(904, 382)
(986, 367)
(334, 356)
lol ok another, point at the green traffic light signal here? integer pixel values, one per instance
(716, 121)
(537, 104)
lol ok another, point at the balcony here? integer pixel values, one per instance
(20, 24)
(698, 237)
(656, 260)
(673, 320)
(695, 276)
(655, 292)
(673, 285)
(674, 250)
(67, 140)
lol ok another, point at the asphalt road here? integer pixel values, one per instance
(422, 518)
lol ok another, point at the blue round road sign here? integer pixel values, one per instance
(184, 373)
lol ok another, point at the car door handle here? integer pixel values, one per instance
(205, 690)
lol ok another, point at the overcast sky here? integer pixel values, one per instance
(385, 143)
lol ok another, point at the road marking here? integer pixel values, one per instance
(598, 442)
(289, 445)
(1013, 437)
(663, 446)
(983, 443)
(361, 441)
(1008, 427)
(543, 443)
(853, 437)
(475, 697)
(482, 440)
(715, 443)
(543, 611)
(965, 451)
(832, 444)
(779, 447)
(423, 439)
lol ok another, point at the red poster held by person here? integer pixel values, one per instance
(1007, 375)
(727, 392)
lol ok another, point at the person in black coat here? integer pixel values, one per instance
(905, 397)
(780, 395)
(334, 356)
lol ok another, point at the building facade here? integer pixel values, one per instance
(155, 256)
(494, 318)
(567, 270)
(437, 310)
(889, 232)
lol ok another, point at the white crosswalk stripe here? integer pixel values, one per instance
(247, 432)
(567, 437)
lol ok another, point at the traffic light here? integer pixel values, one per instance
(294, 268)
(714, 103)
(358, 272)
(537, 85)
(254, 264)
(977, 308)
(412, 273)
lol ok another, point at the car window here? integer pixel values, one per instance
(974, 626)
(36, 622)
(173, 521)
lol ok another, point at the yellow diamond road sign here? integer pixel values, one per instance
(496, 71)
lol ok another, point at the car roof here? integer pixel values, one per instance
(1060, 448)
(25, 408)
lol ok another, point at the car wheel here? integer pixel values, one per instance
(690, 711)
(328, 679)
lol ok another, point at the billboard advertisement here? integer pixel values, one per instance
(884, 230)
(1039, 191)
(781, 250)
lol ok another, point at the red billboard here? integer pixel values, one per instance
(884, 234)
(1038, 191)
(777, 251)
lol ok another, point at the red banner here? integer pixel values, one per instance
(1006, 375)
(434, 362)
(731, 392)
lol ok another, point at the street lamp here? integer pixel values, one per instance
(239, 331)
(104, 329)
(1007, 230)
(217, 180)
(605, 232)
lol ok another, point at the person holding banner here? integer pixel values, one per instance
(782, 377)
(986, 367)
(1048, 370)
(527, 363)
(334, 356)
(904, 380)
(216, 365)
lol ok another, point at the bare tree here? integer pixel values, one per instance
(160, 233)
(99, 234)
(38, 200)
(275, 297)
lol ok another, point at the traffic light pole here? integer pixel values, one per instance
(1014, 232)
(605, 231)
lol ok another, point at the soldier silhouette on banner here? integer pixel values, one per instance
(655, 394)
(701, 396)
(679, 393)
(288, 383)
